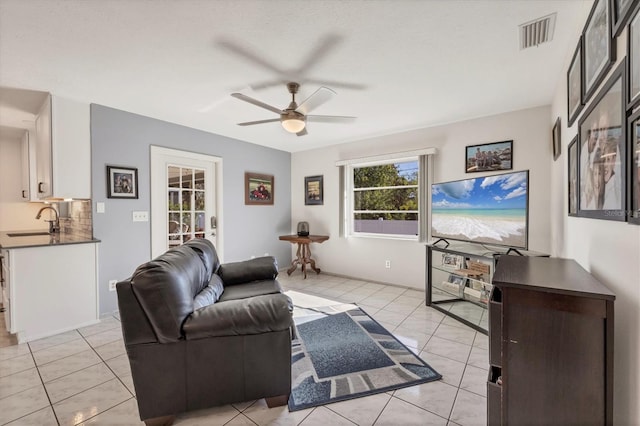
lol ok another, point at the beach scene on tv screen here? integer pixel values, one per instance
(491, 210)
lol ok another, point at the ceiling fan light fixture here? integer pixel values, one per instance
(293, 125)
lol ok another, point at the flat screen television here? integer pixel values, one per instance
(491, 210)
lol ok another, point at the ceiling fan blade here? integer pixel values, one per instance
(316, 99)
(318, 53)
(302, 132)
(248, 54)
(331, 118)
(251, 123)
(256, 102)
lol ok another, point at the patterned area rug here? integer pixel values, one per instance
(341, 353)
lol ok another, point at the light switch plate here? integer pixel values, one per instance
(99, 207)
(141, 216)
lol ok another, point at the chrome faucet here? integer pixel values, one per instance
(54, 225)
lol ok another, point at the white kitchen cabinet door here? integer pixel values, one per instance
(52, 289)
(63, 149)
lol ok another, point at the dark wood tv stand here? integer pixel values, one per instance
(550, 344)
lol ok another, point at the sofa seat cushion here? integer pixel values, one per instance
(255, 315)
(256, 288)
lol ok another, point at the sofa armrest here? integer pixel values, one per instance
(255, 315)
(260, 268)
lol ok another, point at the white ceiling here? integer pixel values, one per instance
(395, 64)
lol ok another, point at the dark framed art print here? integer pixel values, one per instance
(601, 153)
(555, 136)
(572, 152)
(122, 182)
(313, 190)
(620, 11)
(633, 58)
(634, 181)
(599, 51)
(489, 157)
(258, 189)
(574, 85)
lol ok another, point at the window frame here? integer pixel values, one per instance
(349, 214)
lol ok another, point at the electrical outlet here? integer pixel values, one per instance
(112, 285)
(387, 264)
(140, 216)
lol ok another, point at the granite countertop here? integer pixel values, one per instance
(7, 242)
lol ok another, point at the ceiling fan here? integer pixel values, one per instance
(294, 118)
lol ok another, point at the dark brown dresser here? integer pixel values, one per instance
(550, 344)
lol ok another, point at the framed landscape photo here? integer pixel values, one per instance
(599, 51)
(634, 181)
(122, 182)
(313, 190)
(489, 157)
(258, 189)
(620, 11)
(555, 134)
(633, 57)
(601, 153)
(574, 85)
(572, 151)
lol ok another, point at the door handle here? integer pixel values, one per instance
(41, 187)
(24, 194)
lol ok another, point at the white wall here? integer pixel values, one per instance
(364, 258)
(611, 252)
(15, 214)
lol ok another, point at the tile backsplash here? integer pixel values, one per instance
(75, 218)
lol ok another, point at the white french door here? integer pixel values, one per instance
(186, 194)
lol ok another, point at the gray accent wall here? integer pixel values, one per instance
(123, 139)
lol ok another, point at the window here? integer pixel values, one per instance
(386, 195)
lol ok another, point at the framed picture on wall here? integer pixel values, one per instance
(313, 190)
(489, 157)
(572, 151)
(620, 12)
(634, 181)
(574, 85)
(258, 189)
(555, 136)
(633, 56)
(122, 182)
(601, 153)
(599, 51)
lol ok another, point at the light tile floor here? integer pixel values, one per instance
(83, 376)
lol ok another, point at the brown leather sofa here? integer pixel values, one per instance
(200, 334)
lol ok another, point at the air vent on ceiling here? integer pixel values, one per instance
(537, 32)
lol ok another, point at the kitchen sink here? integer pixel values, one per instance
(26, 234)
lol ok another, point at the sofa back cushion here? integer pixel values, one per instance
(207, 252)
(210, 294)
(166, 287)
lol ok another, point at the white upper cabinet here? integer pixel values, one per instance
(25, 161)
(63, 150)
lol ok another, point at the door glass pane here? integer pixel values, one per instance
(186, 205)
(174, 176)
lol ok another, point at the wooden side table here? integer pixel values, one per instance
(303, 255)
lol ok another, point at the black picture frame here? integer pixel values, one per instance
(602, 151)
(599, 51)
(574, 85)
(572, 177)
(555, 136)
(314, 190)
(122, 182)
(620, 12)
(633, 59)
(501, 153)
(259, 189)
(633, 131)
